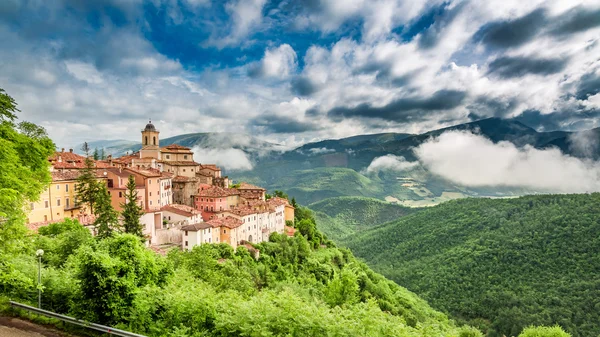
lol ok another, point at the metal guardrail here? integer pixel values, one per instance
(94, 326)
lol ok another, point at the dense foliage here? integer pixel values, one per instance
(132, 210)
(298, 286)
(24, 152)
(498, 264)
(339, 218)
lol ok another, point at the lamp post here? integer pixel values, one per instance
(39, 254)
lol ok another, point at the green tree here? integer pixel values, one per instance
(87, 185)
(8, 107)
(96, 154)
(542, 331)
(86, 149)
(102, 154)
(107, 219)
(132, 210)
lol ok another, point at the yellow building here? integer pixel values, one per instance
(59, 201)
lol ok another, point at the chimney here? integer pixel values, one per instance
(63, 150)
(71, 150)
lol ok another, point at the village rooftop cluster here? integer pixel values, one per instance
(185, 203)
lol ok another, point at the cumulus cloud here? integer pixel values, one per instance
(245, 15)
(473, 160)
(229, 159)
(277, 62)
(390, 162)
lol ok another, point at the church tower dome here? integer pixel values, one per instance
(150, 141)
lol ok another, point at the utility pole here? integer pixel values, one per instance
(39, 254)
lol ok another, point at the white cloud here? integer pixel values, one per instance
(473, 160)
(279, 62)
(584, 143)
(84, 72)
(245, 15)
(320, 150)
(390, 162)
(229, 159)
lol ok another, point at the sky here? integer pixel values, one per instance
(294, 71)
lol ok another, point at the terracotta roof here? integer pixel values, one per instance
(66, 157)
(144, 172)
(243, 211)
(196, 227)
(119, 172)
(229, 222)
(70, 175)
(180, 209)
(180, 163)
(212, 167)
(175, 147)
(216, 191)
(250, 195)
(246, 186)
(183, 179)
(277, 201)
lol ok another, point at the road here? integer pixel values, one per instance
(14, 327)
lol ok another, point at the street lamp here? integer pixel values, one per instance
(39, 254)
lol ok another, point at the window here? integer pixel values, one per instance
(150, 202)
(67, 202)
(46, 205)
(183, 170)
(170, 219)
(154, 140)
(146, 140)
(57, 202)
(185, 156)
(186, 233)
(224, 231)
(31, 206)
(149, 182)
(67, 188)
(45, 218)
(157, 181)
(150, 193)
(120, 194)
(168, 157)
(58, 187)
(208, 240)
(186, 244)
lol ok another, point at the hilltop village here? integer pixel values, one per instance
(185, 203)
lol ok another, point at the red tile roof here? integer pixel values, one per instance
(277, 201)
(175, 147)
(216, 192)
(183, 179)
(180, 163)
(70, 175)
(246, 186)
(196, 227)
(66, 157)
(144, 172)
(212, 167)
(180, 209)
(229, 222)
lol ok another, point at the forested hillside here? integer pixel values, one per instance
(498, 264)
(300, 286)
(339, 218)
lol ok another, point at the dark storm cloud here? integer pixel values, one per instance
(510, 67)
(403, 108)
(512, 33)
(575, 20)
(589, 85)
(570, 118)
(281, 124)
(303, 86)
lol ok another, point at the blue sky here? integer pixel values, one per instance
(293, 71)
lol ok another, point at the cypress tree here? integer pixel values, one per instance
(131, 210)
(87, 185)
(107, 219)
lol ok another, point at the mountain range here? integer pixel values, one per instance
(337, 167)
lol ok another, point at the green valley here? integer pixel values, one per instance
(342, 217)
(498, 264)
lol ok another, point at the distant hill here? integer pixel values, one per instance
(342, 217)
(337, 167)
(209, 140)
(499, 264)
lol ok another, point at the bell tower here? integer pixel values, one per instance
(150, 142)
